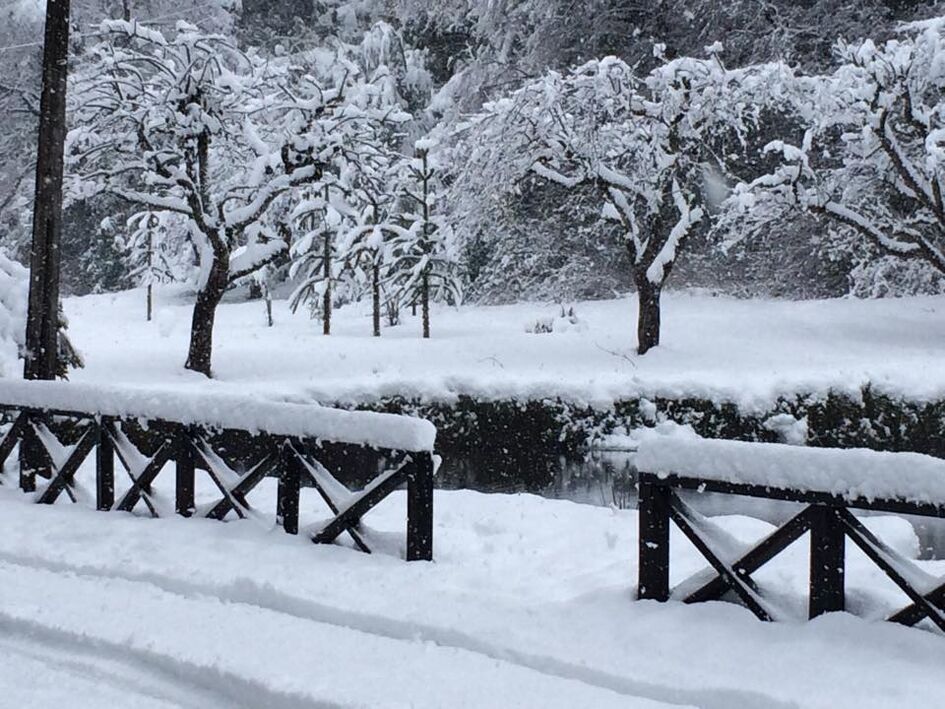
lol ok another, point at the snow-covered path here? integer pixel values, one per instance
(528, 604)
(249, 655)
(45, 670)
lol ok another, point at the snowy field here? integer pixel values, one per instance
(743, 351)
(530, 602)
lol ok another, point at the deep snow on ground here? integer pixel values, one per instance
(529, 603)
(744, 351)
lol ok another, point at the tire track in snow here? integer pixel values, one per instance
(210, 682)
(247, 592)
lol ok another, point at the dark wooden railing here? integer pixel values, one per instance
(240, 443)
(828, 518)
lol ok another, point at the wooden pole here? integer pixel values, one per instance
(42, 324)
(653, 541)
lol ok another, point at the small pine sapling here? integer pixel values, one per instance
(424, 263)
(148, 253)
(314, 258)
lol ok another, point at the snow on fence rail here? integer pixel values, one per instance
(236, 441)
(829, 483)
(847, 473)
(225, 411)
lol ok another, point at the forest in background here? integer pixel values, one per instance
(540, 240)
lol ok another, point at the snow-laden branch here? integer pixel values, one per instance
(883, 181)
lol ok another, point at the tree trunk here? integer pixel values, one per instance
(326, 274)
(648, 322)
(150, 266)
(42, 324)
(205, 310)
(376, 290)
(268, 296)
(425, 306)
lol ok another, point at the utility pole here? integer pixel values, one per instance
(42, 324)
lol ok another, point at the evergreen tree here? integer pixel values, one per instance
(424, 255)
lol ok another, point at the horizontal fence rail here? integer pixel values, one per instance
(56, 427)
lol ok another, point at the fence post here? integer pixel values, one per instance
(34, 460)
(290, 479)
(654, 541)
(184, 458)
(104, 468)
(827, 546)
(420, 507)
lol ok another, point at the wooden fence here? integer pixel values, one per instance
(236, 441)
(826, 515)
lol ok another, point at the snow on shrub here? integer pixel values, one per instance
(14, 290)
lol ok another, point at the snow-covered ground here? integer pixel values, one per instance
(528, 604)
(744, 351)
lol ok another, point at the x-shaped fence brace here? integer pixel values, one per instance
(43, 456)
(827, 518)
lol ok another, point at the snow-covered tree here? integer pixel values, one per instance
(424, 253)
(152, 252)
(316, 260)
(188, 124)
(882, 181)
(367, 243)
(648, 144)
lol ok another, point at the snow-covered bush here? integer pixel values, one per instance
(14, 291)
(14, 299)
(566, 321)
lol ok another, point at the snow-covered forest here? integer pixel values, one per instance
(561, 285)
(487, 152)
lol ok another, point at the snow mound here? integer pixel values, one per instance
(225, 411)
(14, 288)
(848, 473)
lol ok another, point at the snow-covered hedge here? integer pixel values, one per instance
(225, 412)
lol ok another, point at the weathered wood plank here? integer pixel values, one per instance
(140, 484)
(827, 561)
(754, 559)
(104, 468)
(888, 560)
(369, 498)
(420, 507)
(289, 490)
(184, 472)
(64, 476)
(653, 549)
(744, 588)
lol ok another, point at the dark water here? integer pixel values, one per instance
(608, 479)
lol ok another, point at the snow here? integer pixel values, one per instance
(746, 352)
(849, 473)
(224, 411)
(14, 293)
(529, 603)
